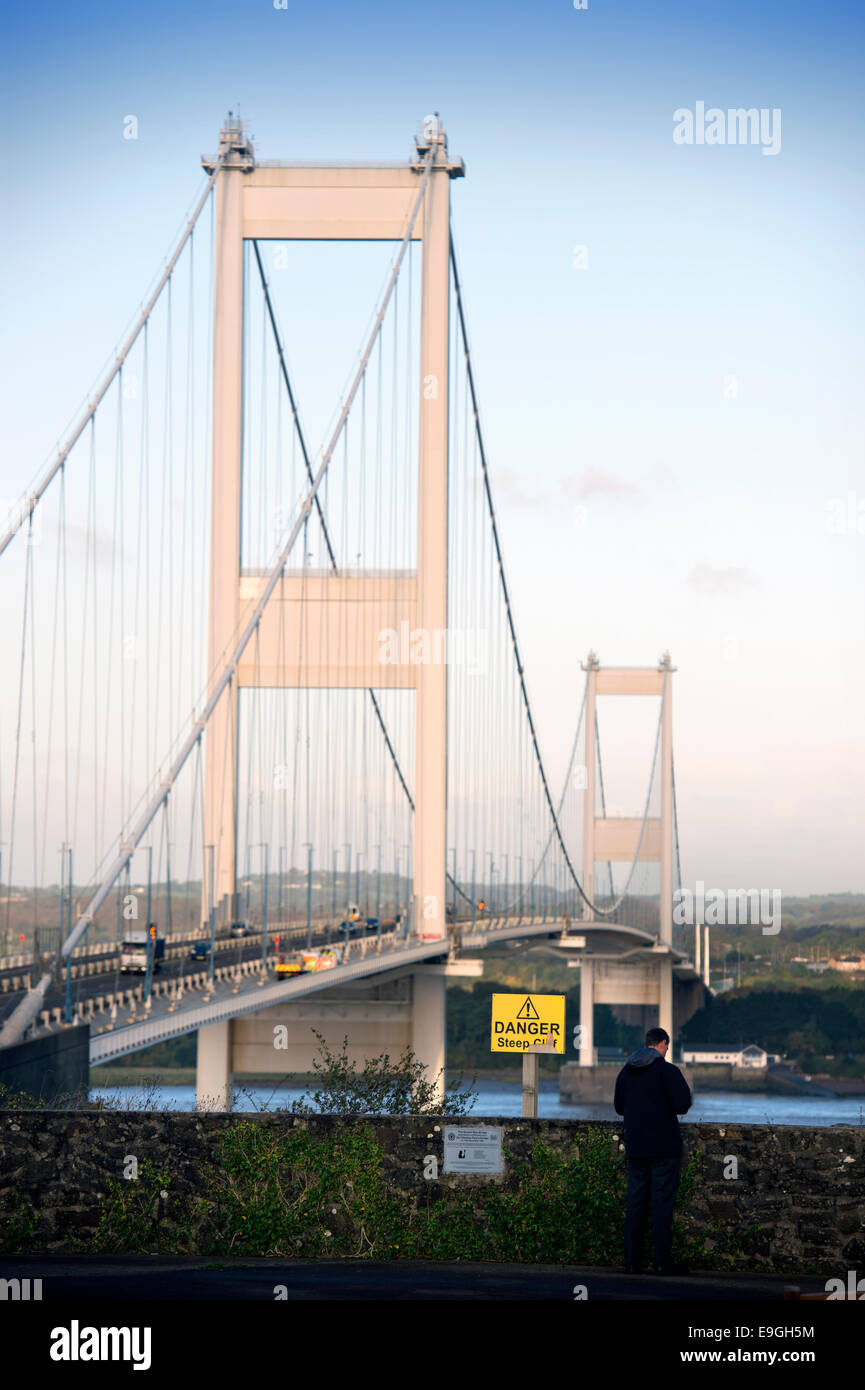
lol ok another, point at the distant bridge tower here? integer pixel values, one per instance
(617, 839)
(285, 201)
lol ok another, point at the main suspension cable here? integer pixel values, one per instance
(27, 506)
(600, 911)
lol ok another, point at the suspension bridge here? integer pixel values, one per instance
(267, 695)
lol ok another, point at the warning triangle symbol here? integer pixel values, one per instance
(528, 1010)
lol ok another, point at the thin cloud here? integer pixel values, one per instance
(732, 579)
(596, 483)
(659, 475)
(510, 487)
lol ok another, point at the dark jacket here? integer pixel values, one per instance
(650, 1093)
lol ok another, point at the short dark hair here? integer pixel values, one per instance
(655, 1036)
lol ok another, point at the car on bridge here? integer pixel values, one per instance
(241, 929)
(372, 924)
(348, 927)
(200, 950)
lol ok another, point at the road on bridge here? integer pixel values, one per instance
(178, 967)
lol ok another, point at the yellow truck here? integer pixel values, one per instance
(288, 965)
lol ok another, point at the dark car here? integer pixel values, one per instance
(200, 950)
(348, 927)
(372, 924)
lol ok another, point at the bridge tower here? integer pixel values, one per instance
(646, 982)
(332, 202)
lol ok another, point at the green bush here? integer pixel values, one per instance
(12, 1098)
(381, 1086)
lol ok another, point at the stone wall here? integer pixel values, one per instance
(798, 1193)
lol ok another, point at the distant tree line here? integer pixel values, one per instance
(801, 1023)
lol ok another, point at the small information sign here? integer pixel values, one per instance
(473, 1148)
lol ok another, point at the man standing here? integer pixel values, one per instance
(650, 1093)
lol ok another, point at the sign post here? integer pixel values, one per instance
(528, 1024)
(530, 1085)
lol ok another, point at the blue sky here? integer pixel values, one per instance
(641, 506)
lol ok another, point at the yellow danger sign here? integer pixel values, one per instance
(528, 1021)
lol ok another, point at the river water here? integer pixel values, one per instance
(503, 1098)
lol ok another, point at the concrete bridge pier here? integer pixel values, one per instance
(213, 1070)
(384, 1013)
(648, 986)
(428, 1024)
(587, 1012)
(688, 999)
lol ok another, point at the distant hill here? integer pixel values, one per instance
(824, 909)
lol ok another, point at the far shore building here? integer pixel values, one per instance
(715, 1054)
(849, 965)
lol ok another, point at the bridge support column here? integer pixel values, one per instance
(665, 1000)
(666, 827)
(432, 555)
(428, 1029)
(213, 1073)
(220, 750)
(587, 1013)
(688, 998)
(591, 669)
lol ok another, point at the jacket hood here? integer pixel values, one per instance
(643, 1057)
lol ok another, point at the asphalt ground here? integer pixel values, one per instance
(156, 1279)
